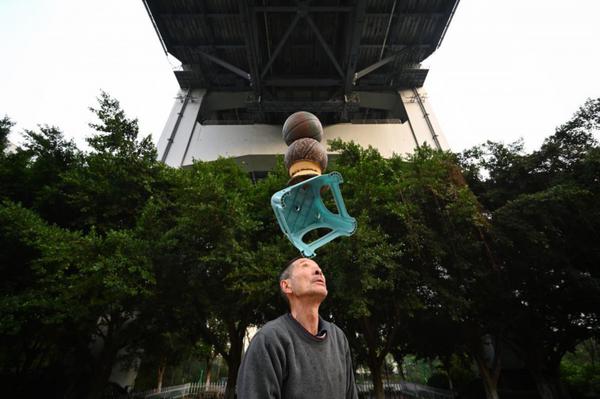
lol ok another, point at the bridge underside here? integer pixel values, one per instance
(260, 60)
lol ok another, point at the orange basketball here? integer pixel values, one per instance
(300, 125)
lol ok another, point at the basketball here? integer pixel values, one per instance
(300, 125)
(306, 149)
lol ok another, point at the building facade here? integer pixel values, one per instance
(247, 65)
(254, 146)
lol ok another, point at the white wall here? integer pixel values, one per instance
(211, 141)
(255, 146)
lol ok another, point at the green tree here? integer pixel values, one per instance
(68, 303)
(5, 126)
(13, 167)
(206, 241)
(418, 248)
(41, 322)
(117, 178)
(581, 369)
(50, 157)
(544, 212)
(76, 295)
(548, 241)
(32, 175)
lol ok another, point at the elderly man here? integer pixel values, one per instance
(298, 355)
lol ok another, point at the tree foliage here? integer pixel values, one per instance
(5, 126)
(109, 256)
(545, 217)
(418, 249)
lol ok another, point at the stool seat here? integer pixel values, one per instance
(300, 209)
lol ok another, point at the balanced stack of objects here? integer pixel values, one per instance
(305, 157)
(299, 208)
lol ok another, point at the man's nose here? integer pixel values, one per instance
(318, 272)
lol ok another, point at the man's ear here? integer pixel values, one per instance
(285, 286)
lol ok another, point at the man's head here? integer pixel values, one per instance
(303, 280)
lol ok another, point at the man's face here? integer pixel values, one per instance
(306, 280)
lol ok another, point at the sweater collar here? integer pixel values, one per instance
(322, 330)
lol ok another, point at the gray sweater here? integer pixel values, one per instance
(286, 361)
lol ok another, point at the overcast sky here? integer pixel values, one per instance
(506, 69)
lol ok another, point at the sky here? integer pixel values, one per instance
(506, 69)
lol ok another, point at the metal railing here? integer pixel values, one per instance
(191, 389)
(408, 389)
(393, 389)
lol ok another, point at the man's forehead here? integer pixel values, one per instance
(302, 261)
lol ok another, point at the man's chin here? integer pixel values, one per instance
(320, 293)
(316, 293)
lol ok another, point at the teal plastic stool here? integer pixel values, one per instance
(300, 209)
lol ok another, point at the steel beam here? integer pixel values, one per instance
(280, 45)
(155, 26)
(222, 100)
(354, 33)
(393, 47)
(239, 46)
(325, 46)
(251, 45)
(227, 65)
(386, 60)
(311, 106)
(387, 30)
(197, 15)
(227, 81)
(281, 81)
(377, 65)
(293, 9)
(425, 114)
(206, 47)
(449, 15)
(418, 14)
(171, 138)
(211, 40)
(308, 9)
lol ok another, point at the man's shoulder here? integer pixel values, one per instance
(331, 326)
(275, 324)
(274, 328)
(335, 332)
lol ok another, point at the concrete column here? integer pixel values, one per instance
(421, 119)
(179, 129)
